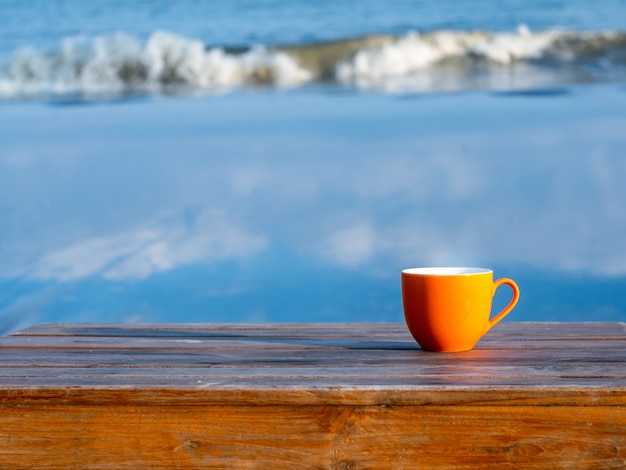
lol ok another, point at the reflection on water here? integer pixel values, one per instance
(301, 206)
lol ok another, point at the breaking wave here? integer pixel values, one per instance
(444, 60)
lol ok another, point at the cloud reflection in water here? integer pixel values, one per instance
(306, 186)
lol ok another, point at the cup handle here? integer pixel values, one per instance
(510, 282)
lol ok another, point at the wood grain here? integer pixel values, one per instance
(337, 396)
(523, 330)
(461, 437)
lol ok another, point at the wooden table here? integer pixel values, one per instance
(336, 396)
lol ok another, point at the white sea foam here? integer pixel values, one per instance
(120, 63)
(415, 52)
(433, 61)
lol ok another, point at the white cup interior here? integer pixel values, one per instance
(446, 271)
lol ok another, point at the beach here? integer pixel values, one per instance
(258, 165)
(283, 206)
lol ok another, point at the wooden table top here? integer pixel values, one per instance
(336, 396)
(283, 363)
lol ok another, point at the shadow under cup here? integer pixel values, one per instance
(449, 309)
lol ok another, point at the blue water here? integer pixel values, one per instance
(43, 23)
(135, 199)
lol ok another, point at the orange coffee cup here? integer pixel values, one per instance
(449, 309)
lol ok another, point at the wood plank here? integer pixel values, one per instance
(183, 343)
(340, 374)
(311, 392)
(528, 330)
(153, 437)
(283, 343)
(215, 329)
(414, 384)
(552, 358)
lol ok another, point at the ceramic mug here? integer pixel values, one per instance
(449, 309)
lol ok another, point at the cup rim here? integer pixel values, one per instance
(446, 271)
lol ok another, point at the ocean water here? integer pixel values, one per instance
(284, 161)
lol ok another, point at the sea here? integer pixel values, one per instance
(253, 161)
